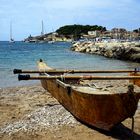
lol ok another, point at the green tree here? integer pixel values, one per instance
(78, 29)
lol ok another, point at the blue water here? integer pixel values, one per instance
(58, 55)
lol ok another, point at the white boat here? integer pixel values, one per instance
(51, 42)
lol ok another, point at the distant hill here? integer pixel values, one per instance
(78, 30)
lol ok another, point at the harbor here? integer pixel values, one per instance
(70, 70)
(31, 116)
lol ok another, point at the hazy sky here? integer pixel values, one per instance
(26, 15)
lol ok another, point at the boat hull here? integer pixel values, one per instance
(92, 107)
(101, 111)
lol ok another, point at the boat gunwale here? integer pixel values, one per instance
(75, 88)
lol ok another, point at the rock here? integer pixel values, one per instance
(135, 57)
(124, 51)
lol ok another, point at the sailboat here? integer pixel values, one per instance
(11, 38)
(42, 31)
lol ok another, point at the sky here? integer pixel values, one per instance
(26, 15)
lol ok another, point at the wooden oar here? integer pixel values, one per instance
(28, 77)
(18, 71)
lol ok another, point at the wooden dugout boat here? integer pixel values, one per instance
(91, 106)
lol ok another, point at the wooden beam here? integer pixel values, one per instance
(18, 71)
(28, 77)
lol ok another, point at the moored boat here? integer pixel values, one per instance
(92, 106)
(101, 109)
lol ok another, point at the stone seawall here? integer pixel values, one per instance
(124, 51)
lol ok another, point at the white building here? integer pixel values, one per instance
(94, 33)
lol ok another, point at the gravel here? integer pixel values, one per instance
(48, 117)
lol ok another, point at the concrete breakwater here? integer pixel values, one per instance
(119, 50)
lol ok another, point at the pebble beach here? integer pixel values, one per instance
(30, 112)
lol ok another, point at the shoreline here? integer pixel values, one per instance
(30, 112)
(129, 51)
(20, 86)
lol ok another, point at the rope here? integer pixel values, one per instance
(65, 74)
(70, 71)
(62, 78)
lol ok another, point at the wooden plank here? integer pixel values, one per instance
(28, 77)
(17, 71)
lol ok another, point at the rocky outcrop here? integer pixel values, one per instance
(125, 51)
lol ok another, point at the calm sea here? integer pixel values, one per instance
(58, 55)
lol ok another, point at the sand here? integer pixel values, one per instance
(30, 112)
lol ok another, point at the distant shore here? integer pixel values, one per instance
(30, 112)
(118, 50)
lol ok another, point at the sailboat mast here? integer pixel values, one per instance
(10, 30)
(11, 36)
(42, 32)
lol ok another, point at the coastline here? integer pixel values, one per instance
(30, 112)
(118, 50)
